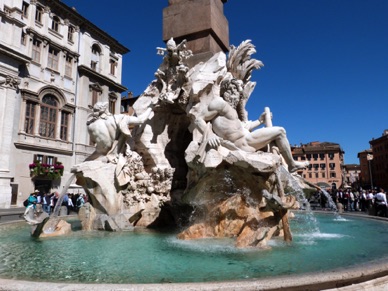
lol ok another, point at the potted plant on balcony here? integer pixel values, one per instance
(51, 172)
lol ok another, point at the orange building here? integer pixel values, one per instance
(326, 163)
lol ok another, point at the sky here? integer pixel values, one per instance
(325, 74)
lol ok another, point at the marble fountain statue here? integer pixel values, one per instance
(193, 159)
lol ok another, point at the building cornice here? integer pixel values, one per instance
(12, 19)
(101, 78)
(4, 50)
(46, 149)
(48, 41)
(86, 25)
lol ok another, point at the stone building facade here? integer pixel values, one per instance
(326, 167)
(379, 163)
(365, 168)
(54, 65)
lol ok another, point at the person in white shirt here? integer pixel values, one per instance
(381, 203)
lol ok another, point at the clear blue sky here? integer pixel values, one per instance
(325, 74)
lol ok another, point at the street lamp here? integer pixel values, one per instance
(369, 157)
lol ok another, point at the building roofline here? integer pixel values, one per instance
(82, 22)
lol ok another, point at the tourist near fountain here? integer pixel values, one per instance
(193, 160)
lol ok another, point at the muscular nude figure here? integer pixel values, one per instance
(109, 132)
(226, 125)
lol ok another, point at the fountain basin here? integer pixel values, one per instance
(331, 257)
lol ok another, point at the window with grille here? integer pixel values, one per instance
(30, 118)
(53, 58)
(48, 116)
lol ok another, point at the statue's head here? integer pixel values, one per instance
(101, 107)
(230, 90)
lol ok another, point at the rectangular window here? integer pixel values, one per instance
(69, 67)
(332, 166)
(55, 24)
(310, 175)
(315, 157)
(25, 9)
(332, 175)
(94, 97)
(38, 14)
(323, 175)
(308, 156)
(321, 157)
(64, 125)
(93, 65)
(23, 38)
(50, 160)
(36, 46)
(47, 122)
(113, 65)
(70, 33)
(323, 166)
(53, 58)
(38, 158)
(331, 156)
(316, 175)
(30, 118)
(112, 104)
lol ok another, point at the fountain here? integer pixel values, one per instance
(199, 172)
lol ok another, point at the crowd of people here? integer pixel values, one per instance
(371, 201)
(48, 201)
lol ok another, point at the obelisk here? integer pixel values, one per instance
(201, 22)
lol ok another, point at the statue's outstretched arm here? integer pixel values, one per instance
(141, 118)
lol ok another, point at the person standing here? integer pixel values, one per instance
(80, 202)
(31, 202)
(70, 205)
(363, 200)
(46, 203)
(381, 203)
(369, 201)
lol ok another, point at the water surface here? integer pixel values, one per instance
(321, 242)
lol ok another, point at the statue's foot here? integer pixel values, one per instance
(298, 166)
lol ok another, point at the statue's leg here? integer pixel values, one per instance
(263, 136)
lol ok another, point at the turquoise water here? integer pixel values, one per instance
(321, 242)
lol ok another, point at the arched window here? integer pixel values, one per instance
(48, 116)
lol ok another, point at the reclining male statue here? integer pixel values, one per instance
(227, 127)
(110, 132)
